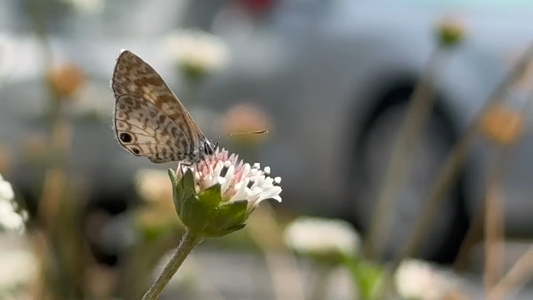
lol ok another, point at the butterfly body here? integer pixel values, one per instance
(149, 120)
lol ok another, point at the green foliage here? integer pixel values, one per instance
(366, 276)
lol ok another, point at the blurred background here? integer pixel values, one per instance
(331, 80)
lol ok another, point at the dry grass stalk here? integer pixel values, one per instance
(520, 273)
(450, 170)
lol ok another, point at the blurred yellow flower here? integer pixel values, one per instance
(450, 31)
(502, 125)
(154, 187)
(66, 79)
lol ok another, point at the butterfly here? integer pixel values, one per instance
(149, 120)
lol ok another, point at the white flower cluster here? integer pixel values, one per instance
(238, 180)
(19, 267)
(322, 236)
(10, 219)
(419, 280)
(197, 49)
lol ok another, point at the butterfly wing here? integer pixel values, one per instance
(149, 119)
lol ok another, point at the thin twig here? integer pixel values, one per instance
(475, 232)
(418, 113)
(59, 140)
(520, 273)
(63, 282)
(494, 241)
(473, 236)
(450, 170)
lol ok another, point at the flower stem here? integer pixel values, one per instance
(188, 242)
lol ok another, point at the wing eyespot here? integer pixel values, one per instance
(136, 151)
(125, 137)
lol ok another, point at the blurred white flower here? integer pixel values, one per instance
(91, 102)
(19, 266)
(419, 280)
(90, 6)
(318, 236)
(197, 51)
(10, 218)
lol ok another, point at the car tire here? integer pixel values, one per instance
(372, 158)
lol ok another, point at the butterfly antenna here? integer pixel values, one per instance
(261, 131)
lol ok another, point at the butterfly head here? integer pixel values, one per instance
(205, 149)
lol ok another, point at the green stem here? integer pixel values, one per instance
(188, 242)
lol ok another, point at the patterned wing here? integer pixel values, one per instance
(149, 120)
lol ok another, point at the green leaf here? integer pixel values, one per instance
(228, 214)
(173, 177)
(187, 182)
(211, 197)
(193, 214)
(238, 210)
(221, 233)
(182, 189)
(366, 276)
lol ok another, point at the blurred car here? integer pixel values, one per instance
(336, 77)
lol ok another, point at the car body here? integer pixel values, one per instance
(322, 70)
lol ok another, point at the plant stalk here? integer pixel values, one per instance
(188, 242)
(450, 170)
(419, 111)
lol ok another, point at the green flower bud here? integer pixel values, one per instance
(215, 197)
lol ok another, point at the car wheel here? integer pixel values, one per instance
(373, 156)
